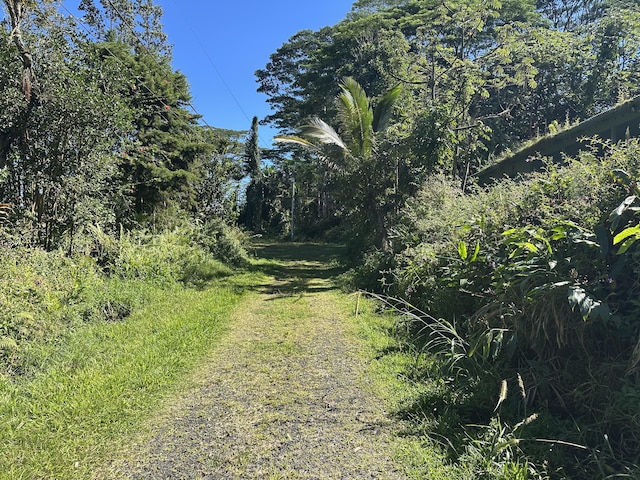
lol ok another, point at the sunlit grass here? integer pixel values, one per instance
(389, 362)
(95, 388)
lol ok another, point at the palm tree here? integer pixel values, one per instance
(357, 156)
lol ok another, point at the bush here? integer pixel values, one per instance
(226, 243)
(537, 277)
(44, 295)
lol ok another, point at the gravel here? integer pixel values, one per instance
(283, 396)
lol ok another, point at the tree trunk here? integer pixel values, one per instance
(382, 236)
(17, 12)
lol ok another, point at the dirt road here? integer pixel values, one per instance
(284, 396)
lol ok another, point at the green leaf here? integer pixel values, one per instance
(626, 233)
(462, 250)
(382, 112)
(476, 251)
(621, 176)
(616, 214)
(8, 343)
(626, 245)
(558, 233)
(589, 307)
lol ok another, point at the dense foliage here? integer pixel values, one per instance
(477, 78)
(543, 298)
(524, 290)
(106, 177)
(96, 127)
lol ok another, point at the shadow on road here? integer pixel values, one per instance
(298, 267)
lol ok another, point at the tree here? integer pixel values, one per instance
(252, 152)
(104, 135)
(567, 15)
(58, 144)
(450, 57)
(253, 214)
(219, 172)
(159, 156)
(358, 160)
(18, 12)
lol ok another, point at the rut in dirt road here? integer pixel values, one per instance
(283, 396)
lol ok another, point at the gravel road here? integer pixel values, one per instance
(284, 396)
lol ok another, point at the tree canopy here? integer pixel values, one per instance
(479, 78)
(96, 126)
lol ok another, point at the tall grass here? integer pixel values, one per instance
(525, 278)
(93, 342)
(95, 388)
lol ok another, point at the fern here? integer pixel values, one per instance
(8, 343)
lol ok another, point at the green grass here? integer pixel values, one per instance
(389, 366)
(89, 393)
(95, 388)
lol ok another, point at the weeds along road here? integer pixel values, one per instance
(283, 396)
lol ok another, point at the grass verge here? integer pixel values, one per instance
(94, 389)
(390, 364)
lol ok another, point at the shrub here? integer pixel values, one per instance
(538, 277)
(225, 242)
(43, 295)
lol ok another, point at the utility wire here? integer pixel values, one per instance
(206, 53)
(144, 46)
(114, 56)
(215, 68)
(155, 96)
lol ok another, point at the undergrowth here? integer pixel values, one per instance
(535, 282)
(91, 341)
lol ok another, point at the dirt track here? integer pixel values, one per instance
(284, 395)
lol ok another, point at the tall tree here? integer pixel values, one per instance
(253, 214)
(58, 145)
(220, 172)
(567, 15)
(18, 11)
(159, 156)
(252, 151)
(358, 160)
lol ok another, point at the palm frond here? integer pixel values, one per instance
(323, 133)
(356, 115)
(294, 139)
(5, 209)
(382, 112)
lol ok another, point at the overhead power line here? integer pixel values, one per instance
(144, 46)
(131, 28)
(213, 65)
(86, 28)
(135, 35)
(215, 68)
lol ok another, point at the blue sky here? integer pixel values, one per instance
(238, 37)
(219, 44)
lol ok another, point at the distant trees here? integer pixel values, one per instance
(95, 126)
(357, 161)
(478, 78)
(253, 214)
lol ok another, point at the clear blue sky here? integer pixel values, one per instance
(238, 37)
(219, 44)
